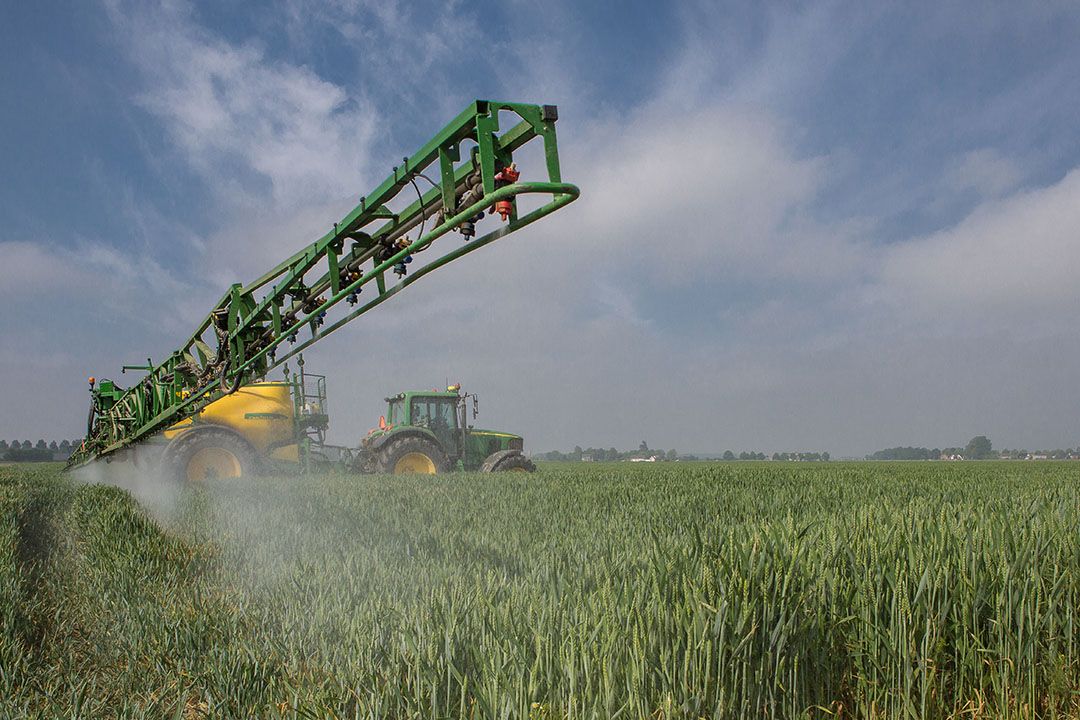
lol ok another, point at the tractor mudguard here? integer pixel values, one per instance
(395, 433)
(195, 429)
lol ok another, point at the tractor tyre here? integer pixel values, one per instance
(412, 454)
(508, 462)
(208, 454)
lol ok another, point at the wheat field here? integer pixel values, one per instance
(688, 590)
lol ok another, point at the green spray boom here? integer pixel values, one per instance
(318, 289)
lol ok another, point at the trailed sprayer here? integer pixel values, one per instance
(208, 407)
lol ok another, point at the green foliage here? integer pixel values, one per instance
(592, 454)
(978, 448)
(703, 590)
(41, 451)
(906, 453)
(28, 454)
(801, 457)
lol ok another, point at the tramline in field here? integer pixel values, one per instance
(256, 328)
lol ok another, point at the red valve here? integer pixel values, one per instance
(506, 176)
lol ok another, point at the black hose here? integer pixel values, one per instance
(90, 421)
(228, 389)
(423, 213)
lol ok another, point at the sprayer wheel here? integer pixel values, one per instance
(208, 454)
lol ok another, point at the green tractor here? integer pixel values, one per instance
(428, 432)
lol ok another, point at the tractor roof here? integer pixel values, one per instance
(424, 393)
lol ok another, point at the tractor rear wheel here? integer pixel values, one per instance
(208, 454)
(412, 455)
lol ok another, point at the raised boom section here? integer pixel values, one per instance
(240, 339)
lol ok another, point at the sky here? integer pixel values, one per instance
(823, 226)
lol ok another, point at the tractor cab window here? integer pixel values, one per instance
(439, 415)
(396, 412)
(448, 413)
(435, 413)
(421, 413)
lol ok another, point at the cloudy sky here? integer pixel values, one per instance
(817, 228)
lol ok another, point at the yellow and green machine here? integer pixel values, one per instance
(208, 405)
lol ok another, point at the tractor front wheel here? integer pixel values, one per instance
(210, 454)
(412, 455)
(508, 461)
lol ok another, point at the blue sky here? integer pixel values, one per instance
(828, 226)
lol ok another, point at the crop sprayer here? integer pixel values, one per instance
(208, 407)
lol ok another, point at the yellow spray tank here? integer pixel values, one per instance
(258, 425)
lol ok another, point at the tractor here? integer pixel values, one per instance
(428, 432)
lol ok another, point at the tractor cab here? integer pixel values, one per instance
(439, 412)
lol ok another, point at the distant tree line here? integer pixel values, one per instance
(1059, 454)
(979, 448)
(643, 452)
(802, 456)
(41, 451)
(778, 456)
(744, 455)
(906, 453)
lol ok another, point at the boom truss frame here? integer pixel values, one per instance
(239, 339)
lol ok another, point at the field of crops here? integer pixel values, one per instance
(691, 590)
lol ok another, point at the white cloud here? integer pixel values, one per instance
(30, 269)
(91, 279)
(986, 171)
(232, 111)
(692, 196)
(397, 45)
(1011, 263)
(79, 310)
